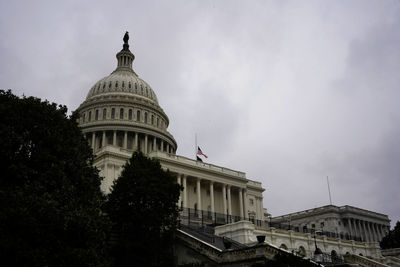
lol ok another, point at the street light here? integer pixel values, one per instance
(318, 257)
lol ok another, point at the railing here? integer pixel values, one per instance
(196, 217)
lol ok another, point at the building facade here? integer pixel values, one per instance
(345, 221)
(121, 114)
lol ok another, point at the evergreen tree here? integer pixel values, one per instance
(392, 240)
(50, 194)
(142, 207)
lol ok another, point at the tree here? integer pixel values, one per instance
(392, 240)
(50, 196)
(142, 207)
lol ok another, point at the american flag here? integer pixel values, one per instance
(199, 152)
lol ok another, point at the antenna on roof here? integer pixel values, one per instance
(329, 190)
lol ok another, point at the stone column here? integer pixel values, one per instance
(154, 143)
(115, 138)
(246, 203)
(371, 237)
(198, 195)
(136, 141)
(103, 139)
(167, 148)
(229, 200)
(350, 227)
(375, 232)
(241, 203)
(185, 204)
(125, 144)
(162, 146)
(94, 141)
(178, 181)
(212, 196)
(365, 231)
(145, 144)
(224, 198)
(359, 231)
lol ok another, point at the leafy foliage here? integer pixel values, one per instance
(392, 240)
(50, 194)
(142, 207)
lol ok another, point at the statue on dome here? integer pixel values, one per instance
(126, 38)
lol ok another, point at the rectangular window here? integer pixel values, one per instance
(138, 115)
(97, 115)
(251, 201)
(145, 117)
(113, 113)
(90, 115)
(121, 113)
(104, 114)
(158, 122)
(130, 114)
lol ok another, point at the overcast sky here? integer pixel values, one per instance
(289, 92)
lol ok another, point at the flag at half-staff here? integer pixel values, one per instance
(200, 153)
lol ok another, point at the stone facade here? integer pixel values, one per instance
(362, 224)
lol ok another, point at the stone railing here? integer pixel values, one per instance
(363, 261)
(199, 164)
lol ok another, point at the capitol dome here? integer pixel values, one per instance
(121, 114)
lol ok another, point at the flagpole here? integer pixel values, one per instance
(329, 190)
(195, 146)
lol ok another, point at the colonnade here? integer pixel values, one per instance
(227, 193)
(368, 231)
(129, 140)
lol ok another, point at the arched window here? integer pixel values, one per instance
(96, 116)
(113, 113)
(141, 89)
(104, 113)
(121, 113)
(135, 86)
(147, 92)
(129, 85)
(138, 115)
(145, 117)
(109, 85)
(283, 246)
(130, 114)
(90, 115)
(116, 84)
(84, 117)
(123, 84)
(158, 122)
(152, 119)
(104, 85)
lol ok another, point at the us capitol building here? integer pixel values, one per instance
(121, 114)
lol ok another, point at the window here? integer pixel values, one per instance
(129, 85)
(145, 117)
(109, 85)
(130, 114)
(152, 119)
(84, 117)
(104, 114)
(121, 113)
(116, 84)
(141, 89)
(90, 115)
(113, 113)
(158, 122)
(322, 224)
(104, 85)
(251, 201)
(138, 115)
(312, 225)
(195, 189)
(123, 84)
(135, 86)
(97, 115)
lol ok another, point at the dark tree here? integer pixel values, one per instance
(50, 197)
(392, 240)
(142, 206)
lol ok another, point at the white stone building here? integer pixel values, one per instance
(121, 114)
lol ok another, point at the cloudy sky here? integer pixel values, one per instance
(289, 92)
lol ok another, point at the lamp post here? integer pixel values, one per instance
(318, 257)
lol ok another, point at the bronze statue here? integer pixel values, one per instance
(126, 38)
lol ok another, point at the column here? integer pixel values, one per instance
(103, 139)
(257, 208)
(246, 203)
(94, 141)
(115, 138)
(224, 198)
(178, 181)
(145, 143)
(261, 216)
(229, 201)
(136, 141)
(376, 238)
(371, 237)
(350, 227)
(154, 143)
(184, 191)
(125, 144)
(241, 203)
(212, 197)
(167, 148)
(198, 195)
(359, 229)
(365, 231)
(162, 146)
